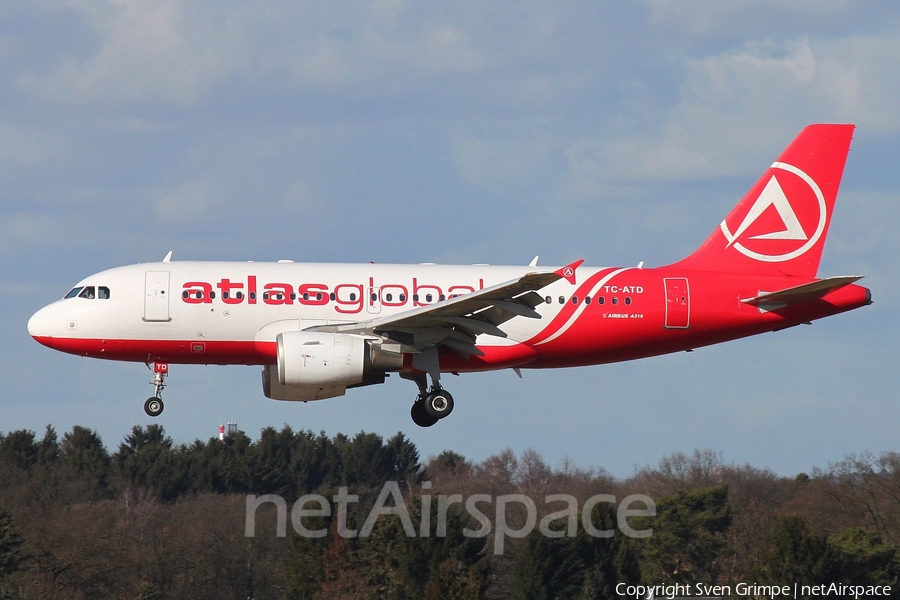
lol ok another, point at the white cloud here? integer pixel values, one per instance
(187, 203)
(22, 147)
(22, 232)
(738, 107)
(150, 49)
(174, 51)
(716, 18)
(498, 161)
(300, 199)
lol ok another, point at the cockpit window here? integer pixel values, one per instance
(87, 292)
(73, 292)
(103, 292)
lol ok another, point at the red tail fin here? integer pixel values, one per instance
(779, 227)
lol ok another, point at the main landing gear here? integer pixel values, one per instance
(431, 405)
(154, 405)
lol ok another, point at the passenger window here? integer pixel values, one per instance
(415, 297)
(562, 300)
(587, 299)
(389, 297)
(103, 292)
(574, 299)
(87, 292)
(402, 297)
(441, 298)
(627, 300)
(601, 300)
(428, 297)
(615, 300)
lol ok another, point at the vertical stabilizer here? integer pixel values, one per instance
(780, 225)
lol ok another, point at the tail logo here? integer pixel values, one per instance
(787, 218)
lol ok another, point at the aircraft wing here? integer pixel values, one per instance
(802, 293)
(455, 323)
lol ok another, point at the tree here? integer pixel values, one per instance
(83, 450)
(688, 535)
(18, 449)
(10, 546)
(794, 553)
(147, 459)
(863, 558)
(583, 566)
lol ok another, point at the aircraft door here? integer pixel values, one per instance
(156, 296)
(678, 303)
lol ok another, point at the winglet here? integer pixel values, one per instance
(168, 257)
(568, 272)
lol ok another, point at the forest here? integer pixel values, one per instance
(152, 519)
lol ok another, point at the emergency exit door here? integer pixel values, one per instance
(156, 296)
(678, 303)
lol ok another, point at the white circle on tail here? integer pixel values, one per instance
(793, 231)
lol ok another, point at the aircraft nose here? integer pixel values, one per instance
(40, 325)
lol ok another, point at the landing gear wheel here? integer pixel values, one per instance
(419, 416)
(154, 406)
(438, 404)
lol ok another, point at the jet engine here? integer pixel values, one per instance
(314, 365)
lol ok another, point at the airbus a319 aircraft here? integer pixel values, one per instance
(318, 329)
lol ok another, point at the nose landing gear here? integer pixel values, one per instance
(154, 405)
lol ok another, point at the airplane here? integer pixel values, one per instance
(318, 329)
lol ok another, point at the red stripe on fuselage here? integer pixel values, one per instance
(254, 353)
(562, 317)
(173, 351)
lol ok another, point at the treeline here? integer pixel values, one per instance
(154, 519)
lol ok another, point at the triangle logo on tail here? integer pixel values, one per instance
(800, 222)
(773, 195)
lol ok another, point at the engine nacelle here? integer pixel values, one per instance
(274, 389)
(324, 359)
(313, 365)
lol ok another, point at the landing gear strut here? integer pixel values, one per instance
(433, 404)
(154, 405)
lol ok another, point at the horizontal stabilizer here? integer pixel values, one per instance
(802, 293)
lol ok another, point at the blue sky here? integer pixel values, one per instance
(469, 132)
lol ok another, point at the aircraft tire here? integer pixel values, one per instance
(154, 406)
(438, 404)
(419, 416)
